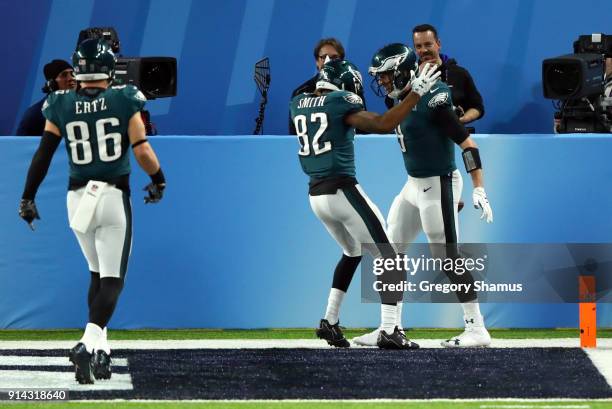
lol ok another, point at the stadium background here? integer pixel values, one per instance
(217, 43)
(245, 249)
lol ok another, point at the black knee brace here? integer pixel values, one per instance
(104, 303)
(392, 277)
(345, 270)
(465, 278)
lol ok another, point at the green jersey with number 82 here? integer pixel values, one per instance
(326, 141)
(95, 128)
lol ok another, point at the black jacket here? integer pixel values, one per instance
(308, 86)
(32, 122)
(463, 90)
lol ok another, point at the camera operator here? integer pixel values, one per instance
(58, 76)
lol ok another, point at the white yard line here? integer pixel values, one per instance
(14, 360)
(286, 343)
(59, 380)
(602, 359)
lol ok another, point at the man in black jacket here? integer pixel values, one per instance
(466, 98)
(327, 49)
(58, 75)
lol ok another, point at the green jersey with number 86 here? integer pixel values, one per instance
(326, 141)
(94, 123)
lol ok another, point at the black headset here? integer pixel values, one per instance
(50, 86)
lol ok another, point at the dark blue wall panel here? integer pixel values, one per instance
(216, 43)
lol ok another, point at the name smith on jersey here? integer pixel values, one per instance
(311, 102)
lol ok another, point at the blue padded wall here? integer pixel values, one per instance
(234, 243)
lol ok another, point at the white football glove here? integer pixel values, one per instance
(481, 202)
(427, 77)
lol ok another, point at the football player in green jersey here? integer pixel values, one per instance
(98, 123)
(429, 200)
(325, 122)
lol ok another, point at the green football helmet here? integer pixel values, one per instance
(94, 60)
(395, 58)
(339, 75)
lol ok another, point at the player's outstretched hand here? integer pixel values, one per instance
(156, 192)
(481, 202)
(28, 212)
(428, 76)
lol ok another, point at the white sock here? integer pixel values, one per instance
(102, 344)
(333, 305)
(91, 336)
(471, 309)
(388, 314)
(398, 321)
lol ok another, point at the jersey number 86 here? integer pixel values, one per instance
(109, 144)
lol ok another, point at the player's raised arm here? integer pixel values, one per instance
(375, 123)
(38, 170)
(146, 158)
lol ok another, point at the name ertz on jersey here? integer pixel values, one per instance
(86, 107)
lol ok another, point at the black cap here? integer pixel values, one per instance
(53, 69)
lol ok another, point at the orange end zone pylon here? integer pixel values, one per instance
(587, 312)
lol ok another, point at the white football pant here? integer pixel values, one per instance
(426, 204)
(351, 218)
(108, 241)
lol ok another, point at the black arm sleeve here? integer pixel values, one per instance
(450, 125)
(40, 164)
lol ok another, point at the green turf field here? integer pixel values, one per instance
(293, 333)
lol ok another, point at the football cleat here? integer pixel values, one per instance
(396, 340)
(83, 364)
(332, 334)
(369, 340)
(475, 335)
(102, 365)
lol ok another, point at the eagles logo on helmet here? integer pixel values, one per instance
(397, 59)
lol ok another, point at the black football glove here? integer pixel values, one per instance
(156, 192)
(28, 211)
